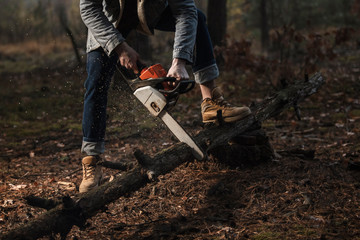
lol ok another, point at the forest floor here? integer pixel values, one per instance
(311, 190)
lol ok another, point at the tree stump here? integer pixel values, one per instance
(250, 148)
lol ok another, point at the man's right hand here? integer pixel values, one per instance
(128, 57)
(178, 71)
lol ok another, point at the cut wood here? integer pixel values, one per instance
(70, 212)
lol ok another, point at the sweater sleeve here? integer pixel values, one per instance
(185, 14)
(102, 29)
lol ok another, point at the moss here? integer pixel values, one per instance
(350, 58)
(268, 124)
(126, 130)
(35, 105)
(25, 129)
(24, 63)
(75, 126)
(16, 66)
(355, 113)
(338, 116)
(267, 235)
(304, 231)
(323, 129)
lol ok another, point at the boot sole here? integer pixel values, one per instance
(230, 119)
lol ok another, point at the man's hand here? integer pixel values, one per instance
(128, 57)
(178, 70)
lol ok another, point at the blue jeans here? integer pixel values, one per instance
(100, 69)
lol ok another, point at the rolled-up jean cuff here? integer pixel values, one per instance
(206, 74)
(92, 148)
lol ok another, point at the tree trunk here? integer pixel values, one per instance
(223, 142)
(141, 44)
(61, 11)
(202, 5)
(73, 43)
(216, 15)
(264, 25)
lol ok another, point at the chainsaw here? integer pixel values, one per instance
(157, 93)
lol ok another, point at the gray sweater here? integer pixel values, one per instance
(101, 17)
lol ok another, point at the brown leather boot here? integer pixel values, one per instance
(229, 113)
(92, 173)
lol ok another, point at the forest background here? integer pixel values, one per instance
(42, 26)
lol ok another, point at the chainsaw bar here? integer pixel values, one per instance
(181, 134)
(157, 101)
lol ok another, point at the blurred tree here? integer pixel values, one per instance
(201, 4)
(35, 19)
(264, 25)
(236, 21)
(61, 12)
(39, 19)
(141, 44)
(305, 14)
(216, 15)
(355, 8)
(12, 21)
(76, 23)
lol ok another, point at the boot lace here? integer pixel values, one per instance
(89, 171)
(222, 102)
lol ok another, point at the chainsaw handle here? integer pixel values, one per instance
(186, 86)
(182, 87)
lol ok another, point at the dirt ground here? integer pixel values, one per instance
(311, 190)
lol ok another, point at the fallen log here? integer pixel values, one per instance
(63, 216)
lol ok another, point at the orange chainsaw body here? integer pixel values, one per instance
(155, 71)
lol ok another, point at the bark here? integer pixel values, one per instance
(61, 11)
(264, 25)
(215, 140)
(73, 42)
(216, 15)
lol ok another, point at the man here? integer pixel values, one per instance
(108, 23)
